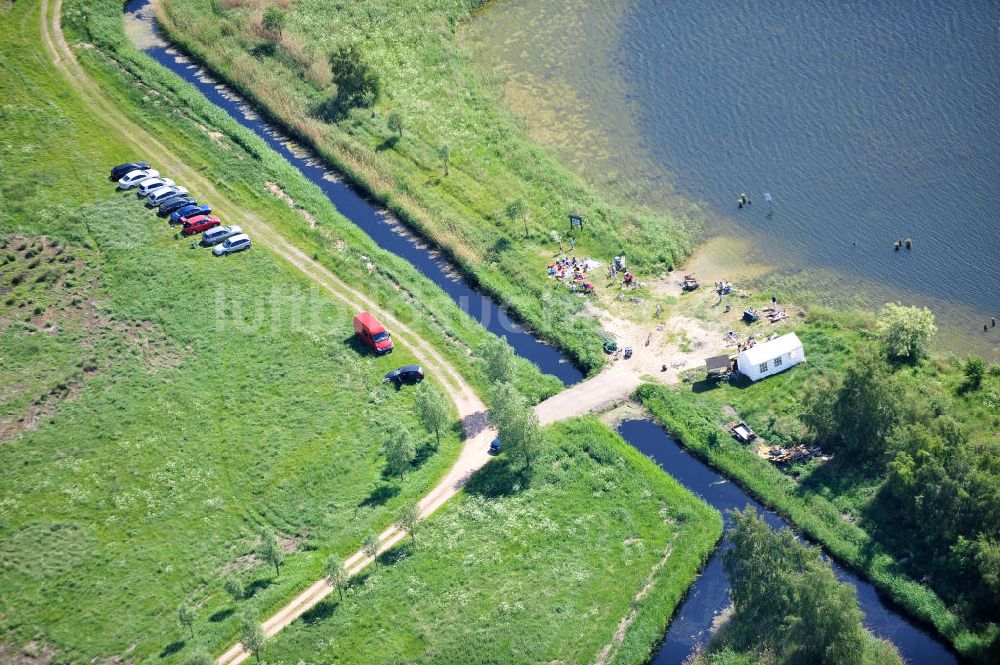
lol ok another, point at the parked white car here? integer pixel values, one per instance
(219, 234)
(147, 186)
(133, 178)
(232, 245)
(158, 196)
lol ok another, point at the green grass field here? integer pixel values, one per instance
(428, 80)
(525, 570)
(241, 164)
(159, 406)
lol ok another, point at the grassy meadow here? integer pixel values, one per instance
(840, 504)
(241, 164)
(428, 81)
(158, 406)
(525, 567)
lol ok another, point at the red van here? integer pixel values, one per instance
(372, 333)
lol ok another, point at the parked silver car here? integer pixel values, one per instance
(133, 178)
(219, 234)
(158, 196)
(152, 184)
(232, 245)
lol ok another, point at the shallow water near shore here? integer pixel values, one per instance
(868, 123)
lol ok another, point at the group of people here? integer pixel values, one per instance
(618, 266)
(571, 270)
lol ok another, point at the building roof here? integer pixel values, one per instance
(761, 353)
(717, 363)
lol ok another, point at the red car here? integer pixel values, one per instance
(199, 223)
(372, 333)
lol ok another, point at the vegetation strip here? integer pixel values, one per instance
(698, 427)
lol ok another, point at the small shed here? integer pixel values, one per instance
(771, 357)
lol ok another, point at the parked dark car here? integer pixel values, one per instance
(178, 216)
(406, 374)
(495, 446)
(176, 203)
(118, 172)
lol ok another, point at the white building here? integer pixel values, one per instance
(771, 357)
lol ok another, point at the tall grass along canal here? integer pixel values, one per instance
(377, 222)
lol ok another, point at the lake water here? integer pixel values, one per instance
(868, 122)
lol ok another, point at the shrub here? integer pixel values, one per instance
(905, 331)
(358, 85)
(274, 20)
(974, 370)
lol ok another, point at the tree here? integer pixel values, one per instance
(234, 587)
(444, 153)
(274, 20)
(505, 402)
(520, 434)
(357, 83)
(336, 574)
(516, 422)
(371, 545)
(819, 398)
(868, 406)
(409, 519)
(398, 449)
(905, 331)
(516, 210)
(269, 550)
(974, 370)
(499, 358)
(432, 409)
(825, 623)
(785, 595)
(395, 123)
(199, 658)
(252, 636)
(185, 617)
(856, 413)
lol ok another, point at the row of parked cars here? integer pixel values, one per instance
(173, 201)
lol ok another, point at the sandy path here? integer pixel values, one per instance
(614, 384)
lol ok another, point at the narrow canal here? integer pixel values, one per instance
(710, 593)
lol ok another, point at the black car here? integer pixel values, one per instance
(175, 203)
(407, 374)
(121, 170)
